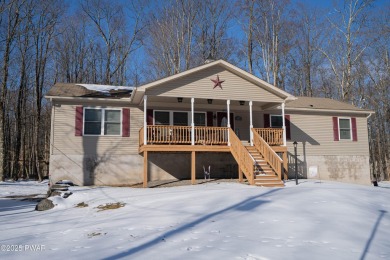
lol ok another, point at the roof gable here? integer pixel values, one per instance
(197, 82)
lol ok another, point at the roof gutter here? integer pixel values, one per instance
(331, 110)
(51, 98)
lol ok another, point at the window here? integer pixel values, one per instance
(180, 118)
(161, 117)
(345, 128)
(100, 121)
(200, 119)
(93, 121)
(112, 122)
(276, 121)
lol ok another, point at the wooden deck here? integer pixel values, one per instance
(215, 139)
(180, 138)
(183, 148)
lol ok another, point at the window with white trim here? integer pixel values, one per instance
(161, 118)
(200, 118)
(276, 121)
(102, 121)
(345, 128)
(178, 118)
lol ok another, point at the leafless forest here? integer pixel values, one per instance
(339, 51)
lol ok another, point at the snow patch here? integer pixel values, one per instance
(311, 220)
(104, 88)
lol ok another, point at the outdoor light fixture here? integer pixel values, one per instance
(296, 162)
(179, 99)
(210, 101)
(242, 102)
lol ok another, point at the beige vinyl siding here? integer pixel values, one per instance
(199, 85)
(314, 134)
(243, 126)
(65, 141)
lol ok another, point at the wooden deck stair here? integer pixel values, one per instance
(264, 175)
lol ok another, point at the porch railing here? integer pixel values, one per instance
(273, 136)
(242, 156)
(269, 155)
(211, 135)
(164, 134)
(141, 136)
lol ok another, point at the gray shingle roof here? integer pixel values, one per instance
(75, 90)
(321, 103)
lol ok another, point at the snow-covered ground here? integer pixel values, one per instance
(314, 220)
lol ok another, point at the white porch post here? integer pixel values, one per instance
(192, 122)
(250, 123)
(284, 126)
(228, 120)
(145, 119)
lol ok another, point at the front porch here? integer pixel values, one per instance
(257, 161)
(216, 108)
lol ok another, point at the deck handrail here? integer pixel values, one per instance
(242, 156)
(141, 136)
(268, 153)
(273, 136)
(209, 135)
(162, 134)
(167, 134)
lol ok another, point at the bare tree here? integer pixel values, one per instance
(171, 32)
(12, 19)
(377, 96)
(346, 45)
(246, 17)
(268, 30)
(119, 39)
(212, 32)
(305, 59)
(44, 24)
(72, 51)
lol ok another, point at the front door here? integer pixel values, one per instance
(222, 119)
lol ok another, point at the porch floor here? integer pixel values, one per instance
(183, 148)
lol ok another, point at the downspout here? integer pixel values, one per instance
(228, 120)
(52, 127)
(145, 119)
(284, 126)
(250, 122)
(192, 122)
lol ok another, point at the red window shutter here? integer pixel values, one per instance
(125, 122)
(288, 127)
(266, 121)
(79, 122)
(354, 129)
(335, 129)
(149, 114)
(210, 119)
